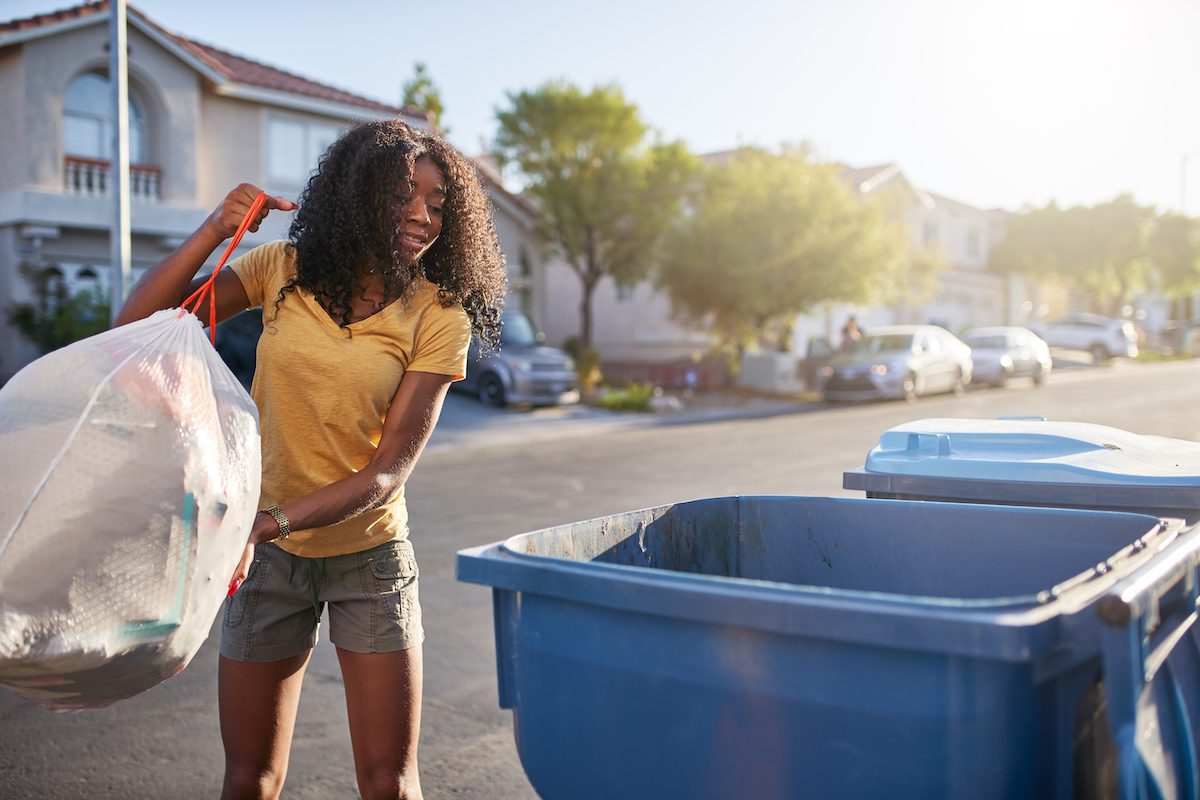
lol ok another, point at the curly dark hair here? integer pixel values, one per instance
(350, 213)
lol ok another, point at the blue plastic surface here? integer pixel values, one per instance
(1033, 462)
(815, 647)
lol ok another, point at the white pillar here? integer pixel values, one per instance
(119, 233)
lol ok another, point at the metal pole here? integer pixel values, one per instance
(119, 234)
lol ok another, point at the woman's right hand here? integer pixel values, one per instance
(242, 570)
(264, 528)
(168, 284)
(225, 220)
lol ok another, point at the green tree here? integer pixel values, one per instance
(55, 317)
(607, 187)
(770, 236)
(1175, 253)
(421, 92)
(1104, 249)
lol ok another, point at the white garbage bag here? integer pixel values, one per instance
(129, 478)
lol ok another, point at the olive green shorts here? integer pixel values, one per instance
(372, 599)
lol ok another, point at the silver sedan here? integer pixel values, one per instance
(1008, 352)
(899, 361)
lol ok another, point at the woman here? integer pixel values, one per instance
(368, 310)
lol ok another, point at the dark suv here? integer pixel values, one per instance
(522, 370)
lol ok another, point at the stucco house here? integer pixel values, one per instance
(202, 120)
(524, 248)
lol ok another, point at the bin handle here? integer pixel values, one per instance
(941, 442)
(1146, 615)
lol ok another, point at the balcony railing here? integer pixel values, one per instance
(89, 177)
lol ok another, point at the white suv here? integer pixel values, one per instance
(1100, 336)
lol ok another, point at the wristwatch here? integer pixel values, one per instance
(285, 527)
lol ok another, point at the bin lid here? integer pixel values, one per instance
(1012, 454)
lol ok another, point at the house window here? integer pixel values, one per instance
(973, 242)
(294, 147)
(624, 294)
(931, 231)
(88, 121)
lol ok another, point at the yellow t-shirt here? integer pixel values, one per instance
(323, 391)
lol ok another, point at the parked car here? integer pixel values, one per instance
(898, 361)
(1101, 336)
(522, 370)
(1181, 337)
(1007, 352)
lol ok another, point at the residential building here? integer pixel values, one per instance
(202, 120)
(524, 248)
(965, 292)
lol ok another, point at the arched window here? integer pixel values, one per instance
(88, 120)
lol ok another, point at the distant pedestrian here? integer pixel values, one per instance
(851, 335)
(392, 263)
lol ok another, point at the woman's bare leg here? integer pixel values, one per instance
(383, 696)
(258, 713)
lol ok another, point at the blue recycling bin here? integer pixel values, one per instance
(801, 647)
(1032, 461)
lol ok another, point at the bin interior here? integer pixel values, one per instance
(929, 550)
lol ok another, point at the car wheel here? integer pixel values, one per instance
(910, 388)
(1039, 376)
(1099, 353)
(958, 387)
(1001, 380)
(491, 391)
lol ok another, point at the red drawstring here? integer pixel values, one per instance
(210, 286)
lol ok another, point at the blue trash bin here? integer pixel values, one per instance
(799, 647)
(1030, 461)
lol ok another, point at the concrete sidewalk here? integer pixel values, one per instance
(466, 424)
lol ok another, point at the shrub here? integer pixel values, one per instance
(636, 397)
(55, 318)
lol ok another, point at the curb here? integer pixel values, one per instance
(466, 425)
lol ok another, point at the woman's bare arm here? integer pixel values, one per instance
(411, 417)
(173, 280)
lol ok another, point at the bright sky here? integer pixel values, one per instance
(996, 104)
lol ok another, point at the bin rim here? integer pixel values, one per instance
(1156, 499)
(1013, 628)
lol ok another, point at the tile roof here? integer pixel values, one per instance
(64, 15)
(945, 201)
(719, 157)
(237, 69)
(865, 179)
(489, 172)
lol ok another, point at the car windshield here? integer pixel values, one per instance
(987, 342)
(884, 342)
(517, 331)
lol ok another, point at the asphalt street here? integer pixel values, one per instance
(490, 474)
